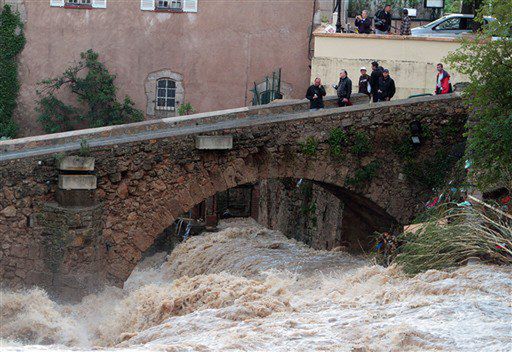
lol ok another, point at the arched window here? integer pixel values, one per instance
(166, 94)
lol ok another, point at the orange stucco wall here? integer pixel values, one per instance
(220, 51)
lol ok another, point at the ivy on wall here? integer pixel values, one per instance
(12, 41)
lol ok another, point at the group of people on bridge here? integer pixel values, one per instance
(378, 86)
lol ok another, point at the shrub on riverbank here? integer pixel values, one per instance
(448, 239)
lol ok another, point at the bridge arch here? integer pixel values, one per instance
(148, 209)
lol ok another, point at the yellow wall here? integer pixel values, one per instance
(410, 60)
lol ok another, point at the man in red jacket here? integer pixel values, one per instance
(443, 85)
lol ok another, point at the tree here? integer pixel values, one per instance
(12, 42)
(486, 60)
(92, 84)
(471, 6)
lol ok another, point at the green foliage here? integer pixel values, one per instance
(92, 84)
(430, 172)
(337, 139)
(448, 238)
(364, 174)
(404, 148)
(361, 144)
(452, 6)
(488, 65)
(12, 41)
(310, 146)
(185, 109)
(85, 149)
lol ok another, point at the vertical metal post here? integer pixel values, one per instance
(279, 81)
(338, 21)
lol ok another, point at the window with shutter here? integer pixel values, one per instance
(78, 3)
(99, 4)
(147, 5)
(173, 5)
(190, 5)
(59, 3)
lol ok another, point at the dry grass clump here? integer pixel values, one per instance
(452, 236)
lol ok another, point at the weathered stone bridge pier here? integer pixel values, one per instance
(150, 173)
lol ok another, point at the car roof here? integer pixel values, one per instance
(465, 15)
(459, 15)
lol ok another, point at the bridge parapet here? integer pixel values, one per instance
(275, 108)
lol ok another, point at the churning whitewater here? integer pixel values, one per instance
(246, 288)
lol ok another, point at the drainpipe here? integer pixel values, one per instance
(338, 20)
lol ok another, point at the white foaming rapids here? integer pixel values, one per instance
(247, 288)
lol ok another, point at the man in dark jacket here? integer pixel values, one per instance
(364, 23)
(316, 94)
(364, 82)
(383, 20)
(374, 79)
(344, 89)
(386, 87)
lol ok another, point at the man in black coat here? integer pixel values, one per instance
(374, 79)
(383, 20)
(344, 89)
(386, 87)
(364, 23)
(316, 94)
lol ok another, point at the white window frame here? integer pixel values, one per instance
(78, 2)
(152, 5)
(169, 6)
(98, 4)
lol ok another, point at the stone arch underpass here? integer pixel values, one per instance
(151, 172)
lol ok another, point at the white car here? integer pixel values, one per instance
(452, 25)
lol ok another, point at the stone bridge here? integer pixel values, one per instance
(150, 173)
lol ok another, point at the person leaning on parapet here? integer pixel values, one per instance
(405, 28)
(443, 85)
(387, 87)
(364, 23)
(374, 79)
(365, 86)
(316, 94)
(383, 20)
(344, 89)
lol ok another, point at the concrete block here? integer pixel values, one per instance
(76, 163)
(214, 142)
(77, 182)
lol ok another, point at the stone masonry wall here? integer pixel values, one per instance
(145, 183)
(307, 213)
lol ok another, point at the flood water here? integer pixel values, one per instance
(246, 288)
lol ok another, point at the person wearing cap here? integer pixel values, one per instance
(374, 80)
(364, 82)
(405, 28)
(387, 87)
(344, 89)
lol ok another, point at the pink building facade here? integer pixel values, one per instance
(207, 53)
